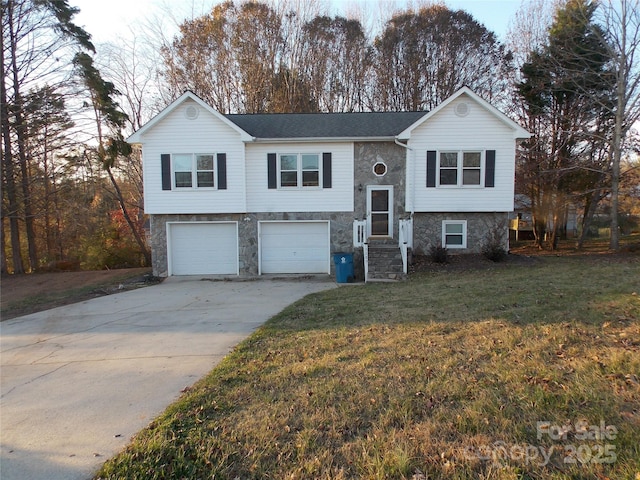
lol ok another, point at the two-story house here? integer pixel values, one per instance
(279, 193)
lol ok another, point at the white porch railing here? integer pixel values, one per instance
(359, 233)
(365, 251)
(405, 240)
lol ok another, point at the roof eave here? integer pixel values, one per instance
(323, 139)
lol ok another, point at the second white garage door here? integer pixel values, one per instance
(294, 247)
(201, 248)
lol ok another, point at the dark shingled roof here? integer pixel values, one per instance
(325, 125)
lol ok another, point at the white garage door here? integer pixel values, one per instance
(294, 247)
(203, 248)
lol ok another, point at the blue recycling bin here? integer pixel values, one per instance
(344, 267)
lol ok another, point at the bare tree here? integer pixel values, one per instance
(201, 59)
(338, 59)
(614, 30)
(621, 28)
(111, 145)
(48, 134)
(35, 35)
(529, 29)
(424, 56)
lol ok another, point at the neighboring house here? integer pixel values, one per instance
(521, 220)
(280, 193)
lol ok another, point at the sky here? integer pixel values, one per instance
(104, 20)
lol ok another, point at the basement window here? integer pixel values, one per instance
(454, 233)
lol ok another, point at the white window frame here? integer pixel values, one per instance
(300, 170)
(386, 169)
(460, 168)
(441, 168)
(464, 234)
(194, 171)
(478, 168)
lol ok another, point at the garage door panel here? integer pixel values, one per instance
(294, 247)
(204, 249)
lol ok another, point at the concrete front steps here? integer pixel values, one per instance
(385, 261)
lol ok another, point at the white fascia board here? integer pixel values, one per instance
(518, 131)
(136, 137)
(323, 139)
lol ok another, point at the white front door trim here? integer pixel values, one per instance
(379, 212)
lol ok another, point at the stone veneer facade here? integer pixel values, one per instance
(427, 230)
(366, 155)
(341, 225)
(427, 227)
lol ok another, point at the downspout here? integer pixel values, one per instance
(413, 173)
(403, 247)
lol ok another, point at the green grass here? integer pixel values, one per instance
(443, 376)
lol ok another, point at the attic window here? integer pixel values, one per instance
(462, 109)
(380, 169)
(191, 112)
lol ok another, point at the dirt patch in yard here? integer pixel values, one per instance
(30, 293)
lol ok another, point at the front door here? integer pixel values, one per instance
(380, 211)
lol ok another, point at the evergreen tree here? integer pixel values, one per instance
(566, 86)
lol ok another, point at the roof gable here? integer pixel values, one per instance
(325, 126)
(518, 131)
(188, 95)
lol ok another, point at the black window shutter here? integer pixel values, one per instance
(490, 169)
(222, 171)
(165, 165)
(326, 170)
(431, 168)
(272, 170)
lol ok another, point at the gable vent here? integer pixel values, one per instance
(462, 109)
(191, 112)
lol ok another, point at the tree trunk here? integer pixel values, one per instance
(22, 154)
(3, 253)
(618, 133)
(8, 171)
(46, 207)
(587, 219)
(538, 230)
(552, 238)
(134, 229)
(614, 243)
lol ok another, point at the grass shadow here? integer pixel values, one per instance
(551, 290)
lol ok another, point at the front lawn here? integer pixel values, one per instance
(518, 371)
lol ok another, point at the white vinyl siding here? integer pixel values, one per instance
(176, 134)
(202, 248)
(300, 198)
(478, 131)
(294, 247)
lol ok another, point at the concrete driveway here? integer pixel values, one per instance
(79, 381)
